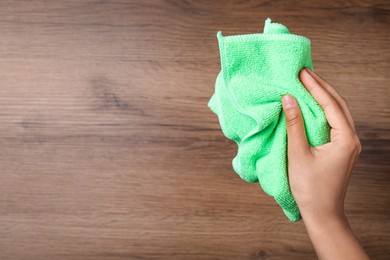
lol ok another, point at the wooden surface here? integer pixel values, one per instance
(109, 151)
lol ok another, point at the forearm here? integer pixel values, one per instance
(334, 239)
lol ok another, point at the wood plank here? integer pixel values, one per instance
(109, 151)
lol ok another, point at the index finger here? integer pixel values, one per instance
(337, 96)
(333, 112)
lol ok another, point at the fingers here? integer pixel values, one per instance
(336, 95)
(296, 135)
(333, 112)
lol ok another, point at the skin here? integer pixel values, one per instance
(319, 175)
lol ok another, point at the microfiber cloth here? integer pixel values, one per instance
(256, 71)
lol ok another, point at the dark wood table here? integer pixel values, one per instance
(109, 151)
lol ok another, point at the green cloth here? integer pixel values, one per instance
(256, 71)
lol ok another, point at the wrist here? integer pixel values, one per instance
(314, 213)
(324, 220)
(326, 223)
(333, 238)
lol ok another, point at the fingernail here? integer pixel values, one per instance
(288, 101)
(303, 72)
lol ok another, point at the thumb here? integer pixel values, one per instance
(296, 135)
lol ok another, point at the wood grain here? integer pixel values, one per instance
(108, 149)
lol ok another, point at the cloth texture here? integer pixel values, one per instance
(256, 71)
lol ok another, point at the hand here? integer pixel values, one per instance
(319, 176)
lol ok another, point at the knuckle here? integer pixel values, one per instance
(358, 145)
(352, 143)
(293, 119)
(343, 100)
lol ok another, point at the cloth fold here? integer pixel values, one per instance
(256, 71)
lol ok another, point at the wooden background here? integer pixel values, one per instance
(109, 151)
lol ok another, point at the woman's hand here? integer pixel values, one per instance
(319, 175)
